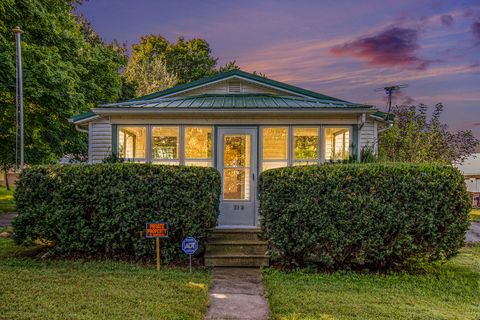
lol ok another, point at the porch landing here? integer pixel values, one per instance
(235, 247)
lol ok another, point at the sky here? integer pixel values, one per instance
(345, 49)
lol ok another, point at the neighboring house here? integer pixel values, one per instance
(237, 122)
(471, 171)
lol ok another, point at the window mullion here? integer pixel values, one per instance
(181, 151)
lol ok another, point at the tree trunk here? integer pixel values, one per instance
(6, 179)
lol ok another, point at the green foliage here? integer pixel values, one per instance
(351, 216)
(417, 138)
(167, 64)
(67, 69)
(101, 210)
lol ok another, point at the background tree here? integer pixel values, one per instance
(417, 138)
(157, 64)
(67, 69)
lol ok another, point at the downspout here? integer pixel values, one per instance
(80, 129)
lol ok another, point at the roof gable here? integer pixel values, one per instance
(274, 86)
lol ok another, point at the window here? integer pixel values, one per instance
(198, 146)
(165, 145)
(305, 146)
(132, 143)
(337, 142)
(274, 148)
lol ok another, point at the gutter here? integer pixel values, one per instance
(80, 129)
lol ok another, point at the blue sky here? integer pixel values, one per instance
(340, 48)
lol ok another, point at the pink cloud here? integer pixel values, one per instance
(395, 46)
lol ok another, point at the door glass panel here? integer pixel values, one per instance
(236, 167)
(236, 184)
(236, 150)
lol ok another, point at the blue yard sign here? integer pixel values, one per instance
(189, 246)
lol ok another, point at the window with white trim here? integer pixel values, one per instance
(132, 143)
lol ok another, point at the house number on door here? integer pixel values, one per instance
(238, 207)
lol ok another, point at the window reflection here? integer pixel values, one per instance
(305, 145)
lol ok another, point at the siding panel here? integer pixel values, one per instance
(100, 140)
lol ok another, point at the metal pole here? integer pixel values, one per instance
(157, 240)
(18, 31)
(190, 263)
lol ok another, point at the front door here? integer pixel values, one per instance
(237, 163)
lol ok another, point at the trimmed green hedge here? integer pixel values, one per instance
(353, 216)
(101, 210)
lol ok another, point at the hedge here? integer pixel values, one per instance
(101, 210)
(357, 216)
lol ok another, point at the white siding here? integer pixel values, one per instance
(222, 88)
(367, 135)
(100, 138)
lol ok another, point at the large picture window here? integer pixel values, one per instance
(198, 146)
(337, 144)
(132, 143)
(305, 146)
(274, 147)
(165, 145)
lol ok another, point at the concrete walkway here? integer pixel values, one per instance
(237, 293)
(473, 233)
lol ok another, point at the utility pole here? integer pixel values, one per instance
(19, 109)
(389, 91)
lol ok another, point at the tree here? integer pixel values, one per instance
(415, 138)
(67, 70)
(157, 64)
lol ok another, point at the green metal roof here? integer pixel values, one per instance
(82, 116)
(242, 74)
(383, 115)
(235, 101)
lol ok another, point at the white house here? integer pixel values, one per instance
(471, 171)
(237, 122)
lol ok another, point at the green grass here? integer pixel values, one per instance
(475, 215)
(7, 202)
(36, 289)
(449, 291)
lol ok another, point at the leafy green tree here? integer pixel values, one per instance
(157, 64)
(416, 138)
(67, 69)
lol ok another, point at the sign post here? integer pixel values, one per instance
(189, 246)
(157, 230)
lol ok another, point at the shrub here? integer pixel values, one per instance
(101, 210)
(352, 216)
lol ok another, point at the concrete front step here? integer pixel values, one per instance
(234, 234)
(230, 260)
(236, 248)
(249, 247)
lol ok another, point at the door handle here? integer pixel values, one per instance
(253, 176)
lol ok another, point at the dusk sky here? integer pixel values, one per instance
(346, 49)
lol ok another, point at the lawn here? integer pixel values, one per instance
(449, 291)
(7, 203)
(475, 215)
(36, 289)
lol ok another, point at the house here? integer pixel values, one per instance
(471, 172)
(237, 122)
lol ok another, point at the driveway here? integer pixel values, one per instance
(6, 219)
(473, 233)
